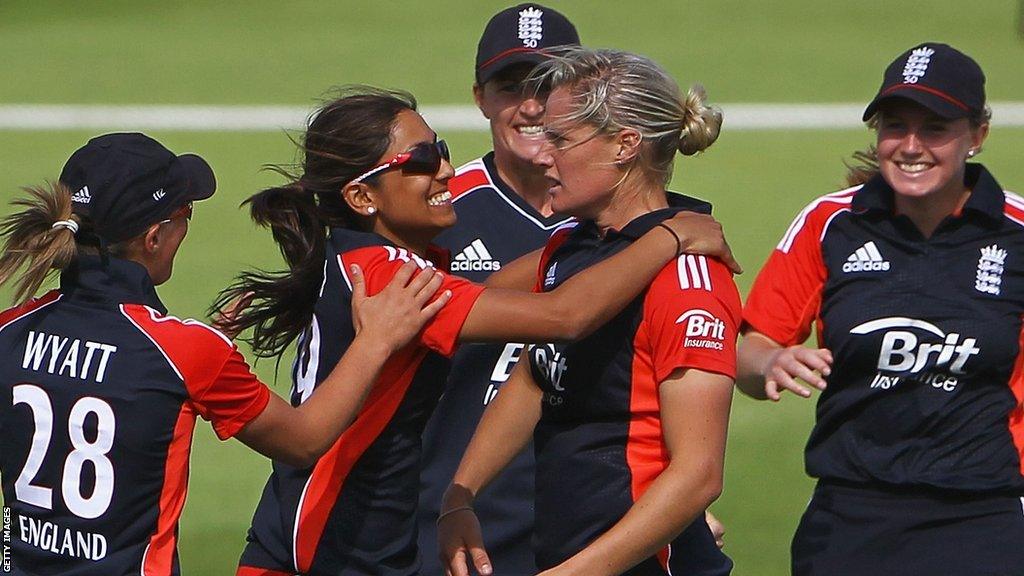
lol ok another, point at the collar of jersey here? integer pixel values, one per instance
(986, 199)
(640, 225)
(109, 279)
(505, 190)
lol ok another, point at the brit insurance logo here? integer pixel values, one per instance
(475, 258)
(703, 330)
(919, 351)
(867, 258)
(551, 364)
(989, 277)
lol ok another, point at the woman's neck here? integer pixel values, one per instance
(631, 200)
(928, 212)
(417, 246)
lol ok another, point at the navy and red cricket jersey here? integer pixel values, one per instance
(926, 385)
(495, 226)
(99, 394)
(354, 512)
(599, 442)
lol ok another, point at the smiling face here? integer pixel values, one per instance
(922, 155)
(515, 115)
(579, 164)
(410, 208)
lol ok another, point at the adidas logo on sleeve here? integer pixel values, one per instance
(474, 257)
(82, 196)
(867, 258)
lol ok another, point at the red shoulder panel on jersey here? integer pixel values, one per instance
(218, 380)
(12, 315)
(786, 294)
(469, 177)
(692, 313)
(381, 263)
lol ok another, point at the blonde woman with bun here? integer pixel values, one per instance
(629, 424)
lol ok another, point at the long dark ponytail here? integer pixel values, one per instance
(346, 137)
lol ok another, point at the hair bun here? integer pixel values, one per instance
(701, 122)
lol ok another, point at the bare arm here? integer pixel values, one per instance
(385, 323)
(593, 297)
(503, 432)
(765, 368)
(520, 274)
(694, 417)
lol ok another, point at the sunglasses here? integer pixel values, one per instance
(185, 211)
(420, 159)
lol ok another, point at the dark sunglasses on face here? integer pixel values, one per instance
(420, 159)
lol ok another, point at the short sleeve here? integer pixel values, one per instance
(234, 398)
(381, 263)
(691, 317)
(215, 376)
(786, 296)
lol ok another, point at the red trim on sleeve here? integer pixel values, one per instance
(1016, 384)
(328, 477)
(467, 181)
(558, 237)
(381, 263)
(786, 296)
(158, 559)
(216, 377)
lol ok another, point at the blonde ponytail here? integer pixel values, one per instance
(33, 239)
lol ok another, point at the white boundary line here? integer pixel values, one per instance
(42, 117)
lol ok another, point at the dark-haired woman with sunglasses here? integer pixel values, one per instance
(100, 388)
(373, 192)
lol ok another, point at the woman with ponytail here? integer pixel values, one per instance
(628, 423)
(100, 388)
(372, 190)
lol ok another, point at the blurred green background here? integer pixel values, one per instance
(262, 52)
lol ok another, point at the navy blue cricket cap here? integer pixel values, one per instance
(521, 34)
(936, 76)
(126, 182)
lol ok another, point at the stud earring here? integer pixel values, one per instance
(971, 153)
(371, 210)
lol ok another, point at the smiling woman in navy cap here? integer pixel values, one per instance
(914, 281)
(504, 211)
(100, 388)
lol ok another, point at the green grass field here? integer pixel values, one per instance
(260, 53)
